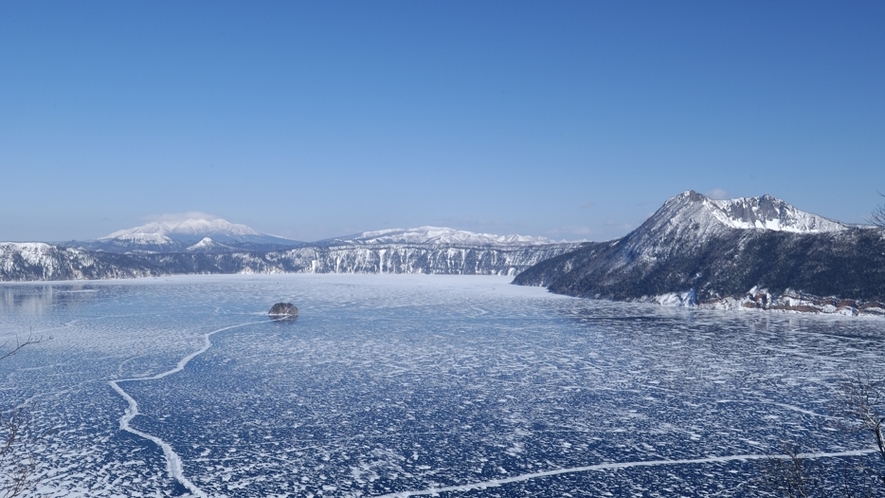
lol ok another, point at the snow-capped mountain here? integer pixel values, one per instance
(218, 235)
(436, 236)
(709, 251)
(206, 244)
(188, 235)
(190, 228)
(691, 219)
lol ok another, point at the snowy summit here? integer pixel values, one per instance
(691, 219)
(192, 228)
(196, 232)
(766, 213)
(691, 209)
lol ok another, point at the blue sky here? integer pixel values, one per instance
(310, 120)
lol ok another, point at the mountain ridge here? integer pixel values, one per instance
(762, 213)
(187, 235)
(436, 235)
(152, 251)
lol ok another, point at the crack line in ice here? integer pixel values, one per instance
(614, 466)
(782, 405)
(173, 461)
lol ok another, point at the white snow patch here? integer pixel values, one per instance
(439, 235)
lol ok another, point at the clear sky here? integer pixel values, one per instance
(315, 119)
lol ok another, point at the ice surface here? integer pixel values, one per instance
(408, 385)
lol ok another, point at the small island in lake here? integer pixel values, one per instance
(283, 311)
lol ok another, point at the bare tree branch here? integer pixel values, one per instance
(878, 215)
(860, 409)
(16, 438)
(788, 477)
(16, 462)
(865, 406)
(20, 344)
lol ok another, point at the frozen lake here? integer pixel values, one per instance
(409, 385)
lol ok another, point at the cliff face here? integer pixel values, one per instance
(698, 251)
(399, 258)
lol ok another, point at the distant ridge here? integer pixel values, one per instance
(196, 246)
(218, 235)
(437, 235)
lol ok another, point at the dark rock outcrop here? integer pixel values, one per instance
(283, 311)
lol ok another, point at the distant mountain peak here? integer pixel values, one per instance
(205, 244)
(192, 232)
(192, 227)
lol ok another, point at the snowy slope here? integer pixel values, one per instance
(17, 256)
(745, 213)
(205, 244)
(436, 236)
(141, 238)
(39, 261)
